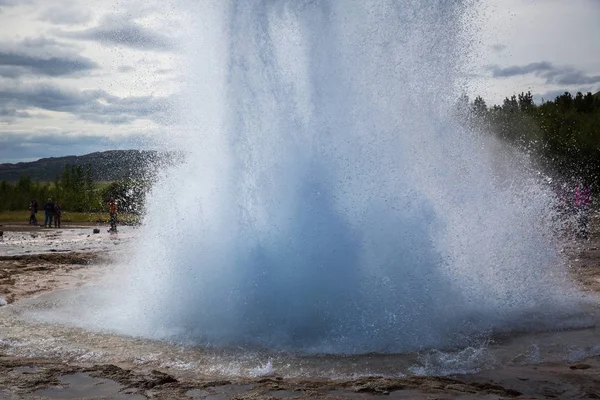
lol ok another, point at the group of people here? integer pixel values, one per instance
(52, 211)
(581, 203)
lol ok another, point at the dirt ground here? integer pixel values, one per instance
(23, 276)
(26, 378)
(24, 227)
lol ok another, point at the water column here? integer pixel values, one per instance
(329, 201)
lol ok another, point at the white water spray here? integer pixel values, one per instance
(329, 201)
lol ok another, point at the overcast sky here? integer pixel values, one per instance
(82, 76)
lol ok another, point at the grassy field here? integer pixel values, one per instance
(100, 217)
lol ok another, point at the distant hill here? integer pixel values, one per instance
(106, 166)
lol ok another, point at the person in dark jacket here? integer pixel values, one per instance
(49, 211)
(57, 214)
(33, 208)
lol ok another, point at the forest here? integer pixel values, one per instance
(76, 191)
(561, 137)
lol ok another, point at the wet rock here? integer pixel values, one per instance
(580, 366)
(282, 394)
(158, 378)
(80, 385)
(145, 381)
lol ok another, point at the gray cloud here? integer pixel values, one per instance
(12, 113)
(570, 76)
(41, 56)
(66, 15)
(120, 30)
(517, 70)
(54, 66)
(549, 72)
(90, 105)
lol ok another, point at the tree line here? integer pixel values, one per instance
(76, 191)
(562, 136)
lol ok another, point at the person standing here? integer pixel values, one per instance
(57, 214)
(49, 210)
(112, 210)
(33, 208)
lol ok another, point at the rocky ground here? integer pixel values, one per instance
(26, 275)
(23, 276)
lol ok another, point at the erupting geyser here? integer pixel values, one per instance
(329, 202)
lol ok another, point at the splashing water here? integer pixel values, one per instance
(329, 201)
